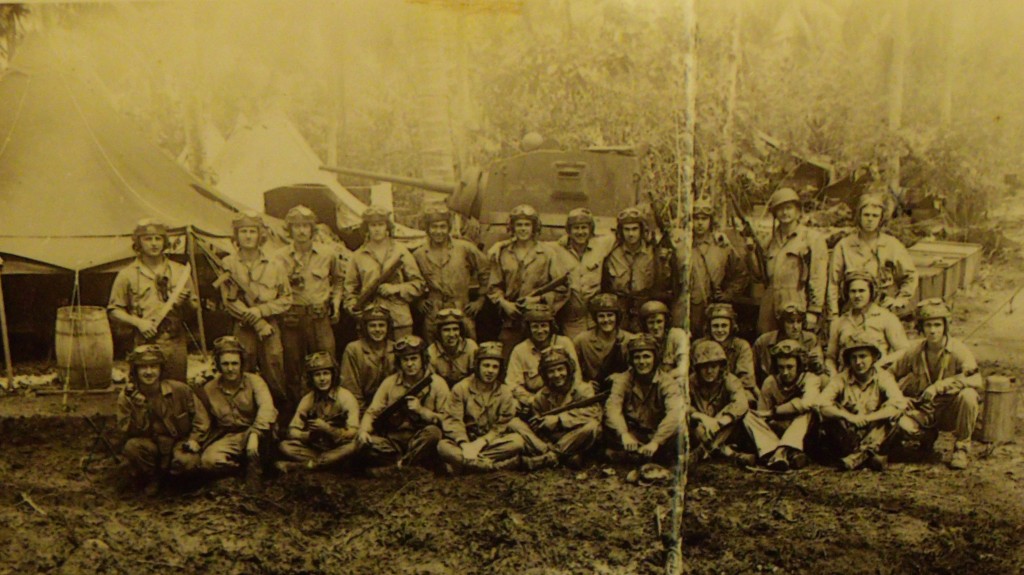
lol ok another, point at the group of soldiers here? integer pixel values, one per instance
(587, 360)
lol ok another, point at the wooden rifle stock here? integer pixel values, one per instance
(370, 292)
(597, 398)
(399, 404)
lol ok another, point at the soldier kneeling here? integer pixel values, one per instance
(476, 423)
(156, 416)
(566, 419)
(323, 431)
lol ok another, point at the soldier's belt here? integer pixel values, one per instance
(316, 310)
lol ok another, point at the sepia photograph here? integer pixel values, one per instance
(528, 287)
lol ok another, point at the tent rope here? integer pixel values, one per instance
(103, 151)
(17, 116)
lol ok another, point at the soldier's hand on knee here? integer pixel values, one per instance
(191, 446)
(929, 393)
(649, 449)
(363, 438)
(630, 443)
(252, 448)
(549, 422)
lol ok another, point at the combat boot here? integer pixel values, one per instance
(960, 459)
(854, 460)
(548, 459)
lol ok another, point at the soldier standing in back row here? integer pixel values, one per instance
(870, 250)
(797, 260)
(366, 271)
(520, 265)
(142, 288)
(315, 274)
(630, 271)
(256, 297)
(717, 273)
(584, 255)
(449, 267)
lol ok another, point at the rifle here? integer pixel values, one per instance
(547, 288)
(389, 411)
(666, 254)
(179, 288)
(386, 273)
(747, 231)
(597, 398)
(224, 278)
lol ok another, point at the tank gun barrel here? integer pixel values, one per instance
(439, 187)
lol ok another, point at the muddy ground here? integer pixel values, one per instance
(916, 518)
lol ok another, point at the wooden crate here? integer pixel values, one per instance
(969, 254)
(948, 265)
(929, 285)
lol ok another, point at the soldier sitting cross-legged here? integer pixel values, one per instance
(323, 431)
(476, 423)
(717, 403)
(561, 428)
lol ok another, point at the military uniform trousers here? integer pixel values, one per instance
(322, 455)
(229, 450)
(268, 354)
(841, 438)
(304, 330)
(566, 440)
(410, 445)
(954, 412)
(151, 456)
(506, 446)
(667, 453)
(770, 435)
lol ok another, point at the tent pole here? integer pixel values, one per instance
(190, 246)
(3, 329)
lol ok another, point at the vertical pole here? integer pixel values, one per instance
(190, 247)
(897, 74)
(685, 186)
(3, 329)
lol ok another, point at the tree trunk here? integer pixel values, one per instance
(684, 182)
(951, 53)
(729, 147)
(432, 95)
(897, 76)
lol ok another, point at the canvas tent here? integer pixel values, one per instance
(269, 153)
(75, 176)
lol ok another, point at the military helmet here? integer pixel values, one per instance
(300, 215)
(932, 308)
(247, 219)
(642, 342)
(149, 227)
(652, 307)
(859, 275)
(580, 216)
(436, 213)
(603, 302)
(708, 351)
(319, 360)
(410, 345)
(490, 350)
(538, 312)
(554, 355)
(792, 308)
(630, 215)
(228, 344)
(871, 199)
(782, 196)
(376, 214)
(861, 339)
(450, 316)
(147, 354)
(788, 348)
(718, 310)
(703, 206)
(375, 311)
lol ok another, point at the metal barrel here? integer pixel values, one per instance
(439, 187)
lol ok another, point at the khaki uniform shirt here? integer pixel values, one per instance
(434, 398)
(801, 397)
(888, 262)
(875, 319)
(653, 407)
(954, 363)
(250, 406)
(364, 269)
(798, 268)
(879, 392)
(716, 268)
(523, 372)
(633, 276)
(363, 368)
(512, 278)
(450, 272)
(338, 407)
(322, 274)
(475, 409)
(593, 352)
(170, 414)
(262, 284)
(453, 367)
(585, 275)
(548, 399)
(675, 349)
(136, 289)
(718, 398)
